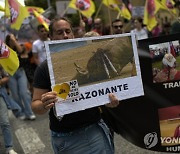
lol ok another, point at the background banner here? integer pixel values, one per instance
(152, 121)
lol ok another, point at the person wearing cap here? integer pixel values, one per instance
(169, 71)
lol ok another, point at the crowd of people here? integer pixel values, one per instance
(28, 91)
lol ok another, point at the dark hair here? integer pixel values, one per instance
(116, 20)
(7, 39)
(139, 19)
(39, 27)
(57, 18)
(167, 25)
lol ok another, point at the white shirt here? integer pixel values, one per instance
(140, 34)
(39, 48)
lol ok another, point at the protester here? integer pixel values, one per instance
(83, 131)
(38, 47)
(29, 67)
(157, 30)
(80, 30)
(140, 30)
(4, 119)
(117, 26)
(166, 27)
(18, 83)
(91, 34)
(98, 26)
(169, 72)
(175, 28)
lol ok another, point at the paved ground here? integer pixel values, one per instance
(32, 137)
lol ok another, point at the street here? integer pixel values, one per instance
(32, 137)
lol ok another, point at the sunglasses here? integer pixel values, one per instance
(118, 26)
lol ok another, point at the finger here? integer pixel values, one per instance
(49, 93)
(49, 103)
(114, 102)
(47, 107)
(48, 96)
(112, 97)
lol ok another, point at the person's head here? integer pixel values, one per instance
(138, 23)
(91, 34)
(9, 40)
(177, 4)
(23, 49)
(168, 60)
(166, 28)
(60, 29)
(117, 26)
(97, 23)
(42, 32)
(28, 46)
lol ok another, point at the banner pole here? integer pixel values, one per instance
(99, 8)
(110, 20)
(64, 12)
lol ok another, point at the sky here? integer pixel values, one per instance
(2, 4)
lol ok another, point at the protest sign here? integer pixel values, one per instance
(101, 65)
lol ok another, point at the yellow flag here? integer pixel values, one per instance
(7, 11)
(2, 8)
(17, 13)
(34, 8)
(125, 12)
(42, 20)
(150, 10)
(86, 7)
(168, 5)
(112, 4)
(8, 59)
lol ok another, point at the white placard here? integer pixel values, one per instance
(101, 65)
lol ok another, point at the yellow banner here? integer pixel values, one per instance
(42, 20)
(17, 13)
(2, 8)
(86, 7)
(34, 8)
(150, 10)
(8, 59)
(112, 4)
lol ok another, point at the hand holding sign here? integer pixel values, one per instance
(67, 90)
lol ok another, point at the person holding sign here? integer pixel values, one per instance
(83, 131)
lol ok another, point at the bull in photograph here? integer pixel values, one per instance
(107, 62)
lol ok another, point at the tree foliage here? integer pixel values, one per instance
(40, 3)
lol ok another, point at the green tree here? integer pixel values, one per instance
(40, 3)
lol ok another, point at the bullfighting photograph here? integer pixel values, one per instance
(101, 65)
(165, 61)
(169, 121)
